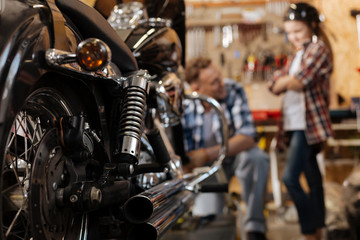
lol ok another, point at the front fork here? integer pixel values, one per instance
(131, 128)
(131, 121)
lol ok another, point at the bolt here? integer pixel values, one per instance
(95, 195)
(54, 186)
(74, 198)
(131, 169)
(62, 177)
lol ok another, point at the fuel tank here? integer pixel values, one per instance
(155, 45)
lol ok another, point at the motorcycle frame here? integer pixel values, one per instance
(23, 68)
(43, 27)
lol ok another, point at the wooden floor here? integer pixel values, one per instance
(224, 228)
(281, 221)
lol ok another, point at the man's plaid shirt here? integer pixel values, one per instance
(236, 110)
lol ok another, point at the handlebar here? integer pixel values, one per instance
(206, 172)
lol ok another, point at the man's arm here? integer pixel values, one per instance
(241, 122)
(236, 144)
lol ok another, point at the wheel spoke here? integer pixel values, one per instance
(15, 219)
(17, 176)
(26, 137)
(28, 152)
(84, 227)
(8, 189)
(17, 234)
(24, 132)
(14, 186)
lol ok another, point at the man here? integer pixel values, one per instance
(203, 137)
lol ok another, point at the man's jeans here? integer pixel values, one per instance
(310, 206)
(251, 167)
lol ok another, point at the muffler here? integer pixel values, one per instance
(163, 219)
(139, 208)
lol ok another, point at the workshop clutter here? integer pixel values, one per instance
(246, 40)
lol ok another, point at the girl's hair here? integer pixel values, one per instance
(308, 14)
(304, 12)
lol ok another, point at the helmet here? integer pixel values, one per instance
(302, 12)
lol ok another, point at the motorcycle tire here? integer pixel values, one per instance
(32, 169)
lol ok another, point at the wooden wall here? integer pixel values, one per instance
(252, 39)
(342, 32)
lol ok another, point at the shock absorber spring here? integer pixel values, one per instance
(136, 88)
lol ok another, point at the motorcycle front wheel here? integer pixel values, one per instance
(32, 168)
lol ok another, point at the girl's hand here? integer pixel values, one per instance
(280, 84)
(287, 83)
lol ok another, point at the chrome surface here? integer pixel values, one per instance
(149, 180)
(147, 155)
(67, 61)
(170, 92)
(127, 15)
(136, 87)
(137, 79)
(139, 208)
(195, 180)
(171, 211)
(159, 223)
(59, 57)
(156, 22)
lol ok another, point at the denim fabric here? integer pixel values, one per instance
(251, 167)
(301, 158)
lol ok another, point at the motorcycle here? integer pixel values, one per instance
(157, 48)
(82, 137)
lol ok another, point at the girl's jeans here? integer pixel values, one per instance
(301, 158)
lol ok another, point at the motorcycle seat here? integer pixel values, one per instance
(91, 23)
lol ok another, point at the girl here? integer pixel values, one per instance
(305, 116)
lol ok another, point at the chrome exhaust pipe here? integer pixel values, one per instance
(139, 208)
(163, 219)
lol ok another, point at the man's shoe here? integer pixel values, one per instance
(256, 236)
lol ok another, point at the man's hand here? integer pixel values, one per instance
(198, 158)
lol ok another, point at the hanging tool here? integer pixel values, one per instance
(356, 13)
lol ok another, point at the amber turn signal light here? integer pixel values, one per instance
(93, 54)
